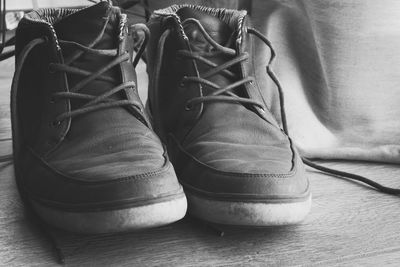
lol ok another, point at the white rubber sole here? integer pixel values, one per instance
(256, 214)
(129, 219)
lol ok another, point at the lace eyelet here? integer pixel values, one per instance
(262, 110)
(55, 123)
(50, 67)
(188, 107)
(182, 83)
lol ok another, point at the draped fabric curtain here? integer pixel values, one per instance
(339, 65)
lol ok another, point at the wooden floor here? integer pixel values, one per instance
(349, 224)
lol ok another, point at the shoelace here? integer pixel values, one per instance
(219, 94)
(352, 176)
(7, 159)
(125, 5)
(94, 102)
(231, 97)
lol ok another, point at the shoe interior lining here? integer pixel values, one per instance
(50, 15)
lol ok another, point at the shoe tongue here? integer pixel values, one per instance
(216, 28)
(84, 27)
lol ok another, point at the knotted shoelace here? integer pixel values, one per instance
(225, 94)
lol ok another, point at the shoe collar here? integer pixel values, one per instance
(234, 18)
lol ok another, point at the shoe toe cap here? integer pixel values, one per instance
(244, 178)
(113, 189)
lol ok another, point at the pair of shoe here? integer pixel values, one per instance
(88, 155)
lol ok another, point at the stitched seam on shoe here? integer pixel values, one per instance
(111, 205)
(215, 195)
(291, 173)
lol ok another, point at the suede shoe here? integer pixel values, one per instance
(86, 158)
(236, 164)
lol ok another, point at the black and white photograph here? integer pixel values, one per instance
(199, 133)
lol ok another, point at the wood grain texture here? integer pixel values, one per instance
(349, 225)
